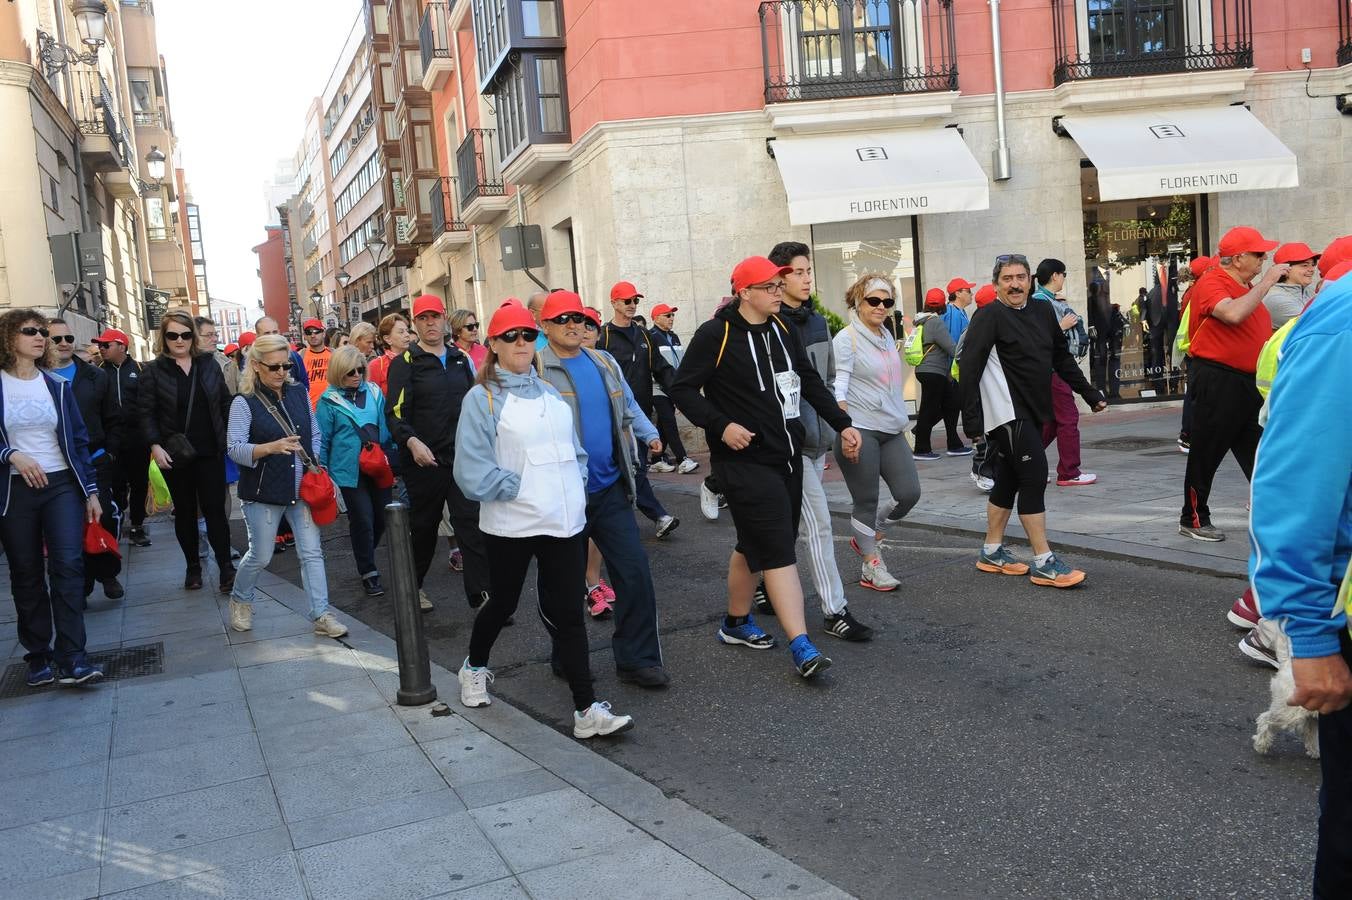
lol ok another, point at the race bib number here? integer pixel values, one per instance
(790, 392)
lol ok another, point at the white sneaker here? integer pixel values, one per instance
(474, 685)
(708, 503)
(687, 466)
(666, 525)
(424, 603)
(983, 483)
(327, 626)
(241, 615)
(598, 720)
(1084, 478)
(874, 575)
(661, 466)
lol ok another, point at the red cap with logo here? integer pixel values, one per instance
(246, 339)
(662, 309)
(1335, 254)
(935, 298)
(756, 270)
(959, 284)
(624, 290)
(1200, 265)
(1244, 240)
(312, 323)
(111, 335)
(985, 295)
(428, 303)
(1294, 253)
(560, 302)
(509, 316)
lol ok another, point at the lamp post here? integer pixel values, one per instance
(376, 247)
(155, 165)
(92, 23)
(343, 278)
(316, 299)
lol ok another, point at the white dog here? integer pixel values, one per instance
(1279, 716)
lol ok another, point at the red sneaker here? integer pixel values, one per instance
(1244, 611)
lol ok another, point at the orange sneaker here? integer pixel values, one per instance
(1054, 573)
(1001, 562)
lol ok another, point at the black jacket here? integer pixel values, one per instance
(424, 398)
(1029, 344)
(98, 407)
(124, 384)
(734, 363)
(640, 361)
(157, 399)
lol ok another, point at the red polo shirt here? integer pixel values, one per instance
(1236, 346)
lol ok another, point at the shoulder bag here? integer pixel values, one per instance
(316, 487)
(178, 445)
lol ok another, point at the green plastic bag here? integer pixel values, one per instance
(159, 491)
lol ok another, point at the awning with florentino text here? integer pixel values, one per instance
(1161, 153)
(873, 175)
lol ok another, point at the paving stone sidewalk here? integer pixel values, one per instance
(276, 764)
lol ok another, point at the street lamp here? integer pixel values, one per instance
(92, 23)
(316, 299)
(155, 165)
(343, 278)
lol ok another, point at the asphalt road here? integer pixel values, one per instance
(994, 739)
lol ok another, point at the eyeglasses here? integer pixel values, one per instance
(774, 288)
(32, 331)
(359, 370)
(884, 302)
(529, 335)
(63, 339)
(274, 368)
(178, 335)
(314, 331)
(472, 326)
(632, 301)
(569, 319)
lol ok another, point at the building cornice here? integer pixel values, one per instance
(20, 74)
(885, 111)
(1116, 94)
(599, 133)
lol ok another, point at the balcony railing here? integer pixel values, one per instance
(1094, 39)
(96, 112)
(434, 35)
(153, 119)
(476, 163)
(439, 205)
(1344, 31)
(826, 49)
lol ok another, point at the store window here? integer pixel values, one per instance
(842, 251)
(1134, 251)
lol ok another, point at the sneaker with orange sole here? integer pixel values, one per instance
(1001, 562)
(1054, 573)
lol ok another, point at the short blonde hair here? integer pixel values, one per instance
(362, 330)
(344, 361)
(261, 347)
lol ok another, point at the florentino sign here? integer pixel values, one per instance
(1179, 182)
(889, 204)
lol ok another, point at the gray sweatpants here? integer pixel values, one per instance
(885, 456)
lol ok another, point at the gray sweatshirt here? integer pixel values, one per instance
(1285, 301)
(870, 376)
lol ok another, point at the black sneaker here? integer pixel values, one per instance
(112, 589)
(138, 537)
(648, 676)
(847, 627)
(192, 581)
(373, 586)
(761, 601)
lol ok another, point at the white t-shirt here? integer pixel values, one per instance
(30, 421)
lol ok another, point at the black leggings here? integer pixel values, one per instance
(198, 489)
(939, 399)
(1021, 469)
(560, 583)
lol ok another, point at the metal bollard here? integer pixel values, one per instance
(415, 668)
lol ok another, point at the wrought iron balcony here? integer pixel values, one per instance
(476, 163)
(826, 49)
(434, 35)
(96, 117)
(439, 204)
(1344, 31)
(1116, 38)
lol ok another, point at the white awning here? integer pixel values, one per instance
(874, 175)
(1182, 151)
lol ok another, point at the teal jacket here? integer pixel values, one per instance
(341, 424)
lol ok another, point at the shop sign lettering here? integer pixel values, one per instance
(1180, 182)
(889, 204)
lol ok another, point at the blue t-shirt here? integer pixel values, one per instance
(593, 404)
(67, 372)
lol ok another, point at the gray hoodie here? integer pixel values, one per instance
(1285, 301)
(938, 345)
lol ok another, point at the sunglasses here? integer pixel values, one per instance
(32, 331)
(472, 326)
(178, 335)
(1011, 257)
(569, 319)
(633, 301)
(63, 338)
(103, 345)
(274, 368)
(884, 302)
(359, 370)
(592, 326)
(314, 331)
(529, 335)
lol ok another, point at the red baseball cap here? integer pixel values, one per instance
(246, 339)
(985, 295)
(428, 303)
(1244, 239)
(935, 298)
(312, 323)
(1339, 271)
(1294, 253)
(592, 314)
(959, 284)
(560, 302)
(509, 316)
(1200, 265)
(624, 290)
(1335, 254)
(662, 309)
(112, 334)
(756, 270)
(230, 348)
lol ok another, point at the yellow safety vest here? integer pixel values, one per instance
(1271, 355)
(1182, 340)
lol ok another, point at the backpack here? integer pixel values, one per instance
(913, 350)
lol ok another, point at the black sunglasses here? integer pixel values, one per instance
(32, 331)
(569, 319)
(884, 302)
(592, 326)
(529, 335)
(632, 301)
(178, 335)
(63, 339)
(276, 367)
(314, 331)
(1012, 257)
(471, 326)
(359, 370)
(103, 345)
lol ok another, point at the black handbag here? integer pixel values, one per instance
(177, 444)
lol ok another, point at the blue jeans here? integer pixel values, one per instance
(611, 524)
(261, 520)
(365, 521)
(52, 515)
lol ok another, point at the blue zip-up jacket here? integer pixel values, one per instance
(340, 435)
(956, 319)
(476, 466)
(70, 433)
(1300, 531)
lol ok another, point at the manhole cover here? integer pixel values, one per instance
(118, 665)
(1129, 444)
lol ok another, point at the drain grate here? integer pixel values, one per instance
(118, 665)
(1130, 444)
